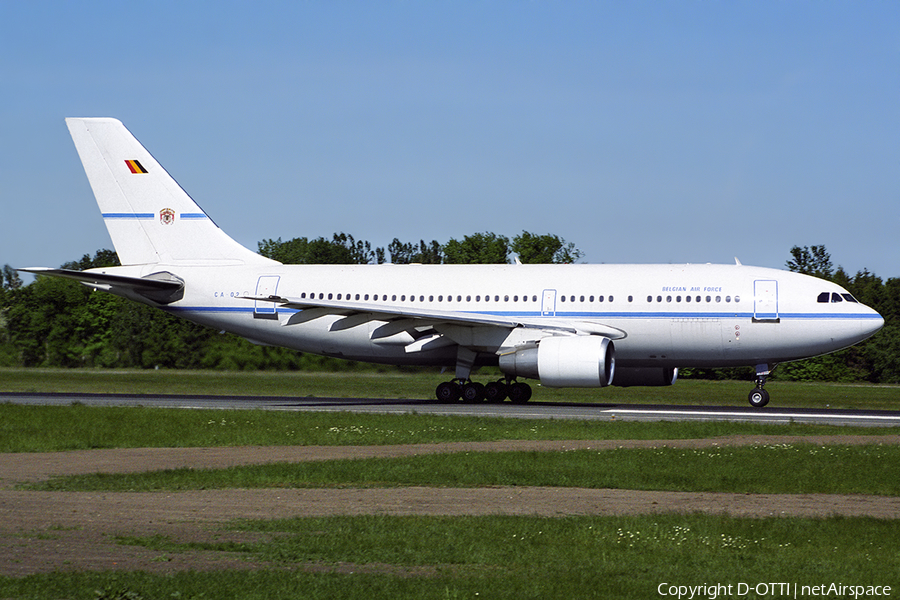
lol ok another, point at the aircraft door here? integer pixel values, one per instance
(548, 304)
(267, 285)
(765, 301)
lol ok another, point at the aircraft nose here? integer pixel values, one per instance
(876, 323)
(870, 325)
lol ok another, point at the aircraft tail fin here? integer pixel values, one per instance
(150, 218)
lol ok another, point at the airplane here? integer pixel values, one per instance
(574, 325)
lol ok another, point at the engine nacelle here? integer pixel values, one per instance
(576, 361)
(646, 376)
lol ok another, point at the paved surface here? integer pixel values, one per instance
(532, 410)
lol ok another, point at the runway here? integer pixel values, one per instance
(532, 410)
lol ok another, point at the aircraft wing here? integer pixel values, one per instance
(346, 308)
(162, 287)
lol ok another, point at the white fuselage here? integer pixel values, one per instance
(658, 315)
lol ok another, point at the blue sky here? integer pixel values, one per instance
(641, 131)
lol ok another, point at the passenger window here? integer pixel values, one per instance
(668, 298)
(649, 298)
(611, 298)
(687, 298)
(599, 298)
(592, 299)
(677, 298)
(562, 298)
(630, 298)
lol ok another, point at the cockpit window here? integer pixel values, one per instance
(834, 297)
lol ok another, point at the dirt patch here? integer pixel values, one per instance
(50, 531)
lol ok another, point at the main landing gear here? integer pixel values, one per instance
(466, 390)
(759, 397)
(463, 388)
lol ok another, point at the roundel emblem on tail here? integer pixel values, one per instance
(167, 216)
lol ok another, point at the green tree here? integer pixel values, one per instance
(342, 249)
(102, 258)
(10, 282)
(406, 253)
(478, 248)
(9, 279)
(544, 249)
(41, 322)
(811, 260)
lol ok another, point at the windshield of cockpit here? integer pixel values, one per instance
(825, 297)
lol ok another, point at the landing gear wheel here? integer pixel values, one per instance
(758, 398)
(447, 391)
(473, 392)
(519, 393)
(495, 391)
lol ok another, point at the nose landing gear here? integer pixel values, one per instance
(759, 397)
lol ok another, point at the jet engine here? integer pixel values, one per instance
(646, 376)
(576, 361)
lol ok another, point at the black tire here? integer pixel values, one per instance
(495, 391)
(758, 398)
(473, 392)
(447, 392)
(519, 393)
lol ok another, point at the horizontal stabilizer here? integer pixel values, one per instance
(162, 287)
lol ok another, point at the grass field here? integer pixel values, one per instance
(79, 427)
(766, 469)
(421, 385)
(512, 558)
(475, 557)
